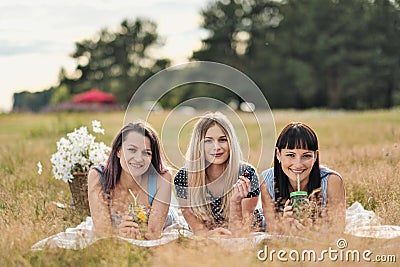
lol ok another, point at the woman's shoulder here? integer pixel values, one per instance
(334, 184)
(326, 173)
(268, 174)
(181, 176)
(167, 175)
(182, 171)
(95, 172)
(94, 178)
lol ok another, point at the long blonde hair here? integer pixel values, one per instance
(196, 166)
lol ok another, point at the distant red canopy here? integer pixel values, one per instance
(94, 96)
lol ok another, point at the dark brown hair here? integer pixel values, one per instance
(295, 135)
(112, 170)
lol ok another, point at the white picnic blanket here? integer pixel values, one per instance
(83, 235)
(359, 222)
(365, 223)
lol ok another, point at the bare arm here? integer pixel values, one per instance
(198, 227)
(336, 207)
(159, 207)
(268, 206)
(195, 224)
(241, 209)
(99, 208)
(248, 206)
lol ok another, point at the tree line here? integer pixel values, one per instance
(301, 54)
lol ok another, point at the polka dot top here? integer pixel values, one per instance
(181, 185)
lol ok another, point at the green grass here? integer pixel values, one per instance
(363, 146)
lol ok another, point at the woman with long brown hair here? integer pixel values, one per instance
(134, 169)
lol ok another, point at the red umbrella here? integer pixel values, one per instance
(94, 95)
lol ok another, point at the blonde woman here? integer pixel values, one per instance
(216, 190)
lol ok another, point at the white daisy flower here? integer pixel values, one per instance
(40, 168)
(97, 127)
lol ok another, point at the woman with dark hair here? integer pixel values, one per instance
(296, 164)
(134, 169)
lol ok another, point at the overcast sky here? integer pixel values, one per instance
(37, 37)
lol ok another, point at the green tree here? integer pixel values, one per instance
(337, 53)
(120, 61)
(236, 30)
(310, 53)
(61, 94)
(31, 102)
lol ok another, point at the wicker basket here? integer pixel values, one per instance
(79, 190)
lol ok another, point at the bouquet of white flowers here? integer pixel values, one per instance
(73, 159)
(78, 152)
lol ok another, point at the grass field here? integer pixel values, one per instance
(363, 146)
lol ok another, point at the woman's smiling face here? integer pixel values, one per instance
(136, 154)
(297, 162)
(216, 145)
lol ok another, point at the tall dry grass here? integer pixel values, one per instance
(363, 146)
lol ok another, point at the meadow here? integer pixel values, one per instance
(363, 146)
